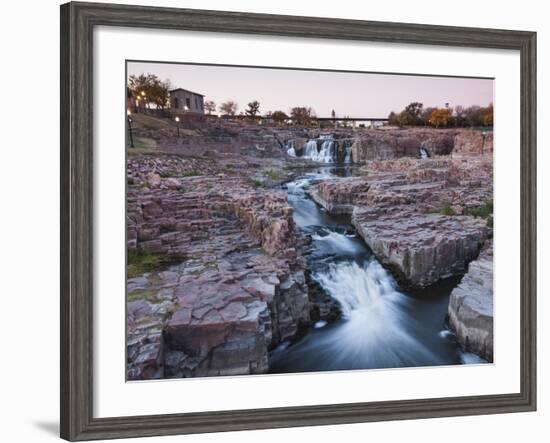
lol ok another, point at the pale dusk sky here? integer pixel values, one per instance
(349, 94)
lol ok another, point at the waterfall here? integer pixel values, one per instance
(324, 155)
(357, 288)
(423, 153)
(310, 151)
(348, 157)
(375, 331)
(379, 327)
(289, 145)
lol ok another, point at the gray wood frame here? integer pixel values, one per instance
(77, 24)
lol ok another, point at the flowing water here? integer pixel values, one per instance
(325, 154)
(380, 326)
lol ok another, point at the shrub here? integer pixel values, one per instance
(483, 211)
(447, 210)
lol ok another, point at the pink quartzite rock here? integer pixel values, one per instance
(471, 306)
(239, 288)
(398, 206)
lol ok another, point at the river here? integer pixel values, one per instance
(381, 326)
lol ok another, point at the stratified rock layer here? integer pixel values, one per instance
(414, 213)
(471, 306)
(395, 143)
(239, 287)
(421, 248)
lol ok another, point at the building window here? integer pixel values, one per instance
(188, 103)
(176, 103)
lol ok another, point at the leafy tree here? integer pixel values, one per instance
(148, 88)
(229, 108)
(441, 117)
(473, 116)
(414, 110)
(302, 115)
(487, 115)
(253, 109)
(210, 107)
(410, 116)
(279, 116)
(393, 119)
(426, 115)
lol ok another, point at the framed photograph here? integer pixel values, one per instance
(272, 221)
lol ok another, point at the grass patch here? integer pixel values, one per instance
(143, 145)
(274, 174)
(483, 211)
(150, 122)
(258, 183)
(141, 294)
(447, 210)
(140, 262)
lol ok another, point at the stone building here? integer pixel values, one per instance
(182, 100)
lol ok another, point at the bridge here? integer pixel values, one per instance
(321, 119)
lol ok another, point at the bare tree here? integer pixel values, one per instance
(302, 115)
(253, 109)
(229, 108)
(210, 107)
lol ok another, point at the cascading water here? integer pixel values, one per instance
(423, 153)
(326, 154)
(380, 327)
(310, 149)
(290, 150)
(347, 158)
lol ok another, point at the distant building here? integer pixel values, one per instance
(182, 100)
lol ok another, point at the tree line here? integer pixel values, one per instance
(303, 115)
(415, 114)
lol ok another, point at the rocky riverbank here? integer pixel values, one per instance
(217, 275)
(427, 220)
(418, 216)
(471, 306)
(233, 284)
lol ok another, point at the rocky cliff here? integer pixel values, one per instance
(395, 143)
(424, 219)
(218, 306)
(471, 306)
(387, 144)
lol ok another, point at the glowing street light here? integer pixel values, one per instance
(128, 113)
(178, 123)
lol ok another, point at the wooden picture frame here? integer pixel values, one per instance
(77, 23)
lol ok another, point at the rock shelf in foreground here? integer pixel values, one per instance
(471, 306)
(237, 287)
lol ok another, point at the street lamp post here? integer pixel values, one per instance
(130, 129)
(178, 123)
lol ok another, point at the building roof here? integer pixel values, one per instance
(186, 90)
